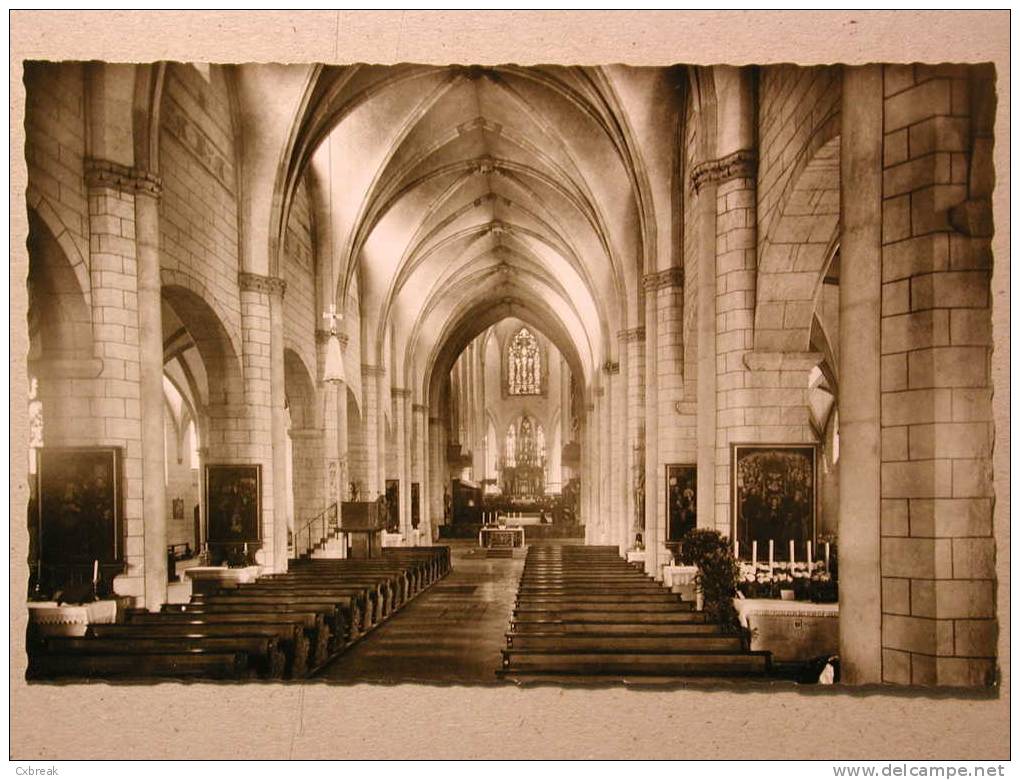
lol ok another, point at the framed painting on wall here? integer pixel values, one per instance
(80, 500)
(393, 505)
(233, 503)
(681, 500)
(774, 489)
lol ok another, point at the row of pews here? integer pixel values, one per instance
(281, 626)
(585, 612)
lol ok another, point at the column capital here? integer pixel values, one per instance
(271, 285)
(322, 336)
(611, 367)
(400, 392)
(670, 277)
(741, 164)
(632, 334)
(435, 420)
(370, 370)
(124, 178)
(419, 408)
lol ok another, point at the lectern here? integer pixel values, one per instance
(363, 522)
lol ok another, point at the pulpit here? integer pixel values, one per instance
(363, 523)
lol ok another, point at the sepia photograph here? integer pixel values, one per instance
(521, 376)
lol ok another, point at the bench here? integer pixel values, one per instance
(263, 652)
(290, 638)
(136, 665)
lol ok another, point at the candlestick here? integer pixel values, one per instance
(791, 551)
(754, 554)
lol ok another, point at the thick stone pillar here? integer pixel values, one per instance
(937, 545)
(371, 419)
(402, 422)
(589, 473)
(654, 470)
(259, 444)
(705, 209)
(278, 390)
(619, 484)
(101, 401)
(150, 351)
(437, 471)
(419, 469)
(860, 431)
(633, 341)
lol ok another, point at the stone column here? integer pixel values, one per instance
(860, 433)
(619, 486)
(262, 443)
(105, 400)
(437, 471)
(402, 422)
(633, 341)
(278, 390)
(735, 242)
(419, 459)
(937, 546)
(370, 415)
(654, 470)
(589, 473)
(150, 351)
(705, 208)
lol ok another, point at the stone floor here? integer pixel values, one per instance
(452, 633)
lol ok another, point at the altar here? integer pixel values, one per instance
(791, 630)
(494, 536)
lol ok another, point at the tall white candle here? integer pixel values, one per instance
(810, 559)
(736, 549)
(95, 572)
(754, 553)
(772, 554)
(826, 556)
(791, 551)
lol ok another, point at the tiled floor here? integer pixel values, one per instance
(452, 633)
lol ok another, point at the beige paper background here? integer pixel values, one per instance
(321, 721)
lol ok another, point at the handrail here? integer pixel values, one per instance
(326, 522)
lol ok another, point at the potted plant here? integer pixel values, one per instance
(718, 574)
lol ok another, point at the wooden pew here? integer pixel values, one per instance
(263, 652)
(313, 623)
(290, 638)
(138, 666)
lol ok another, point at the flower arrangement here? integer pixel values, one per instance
(759, 580)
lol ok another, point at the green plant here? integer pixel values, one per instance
(718, 574)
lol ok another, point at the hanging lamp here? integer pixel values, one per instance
(333, 371)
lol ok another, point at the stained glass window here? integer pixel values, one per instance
(524, 365)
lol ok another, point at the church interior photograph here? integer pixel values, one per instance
(511, 374)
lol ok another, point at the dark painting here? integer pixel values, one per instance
(681, 500)
(233, 500)
(178, 508)
(415, 504)
(773, 496)
(393, 505)
(79, 505)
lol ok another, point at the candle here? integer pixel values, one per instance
(791, 551)
(754, 554)
(810, 560)
(95, 572)
(826, 556)
(736, 549)
(772, 553)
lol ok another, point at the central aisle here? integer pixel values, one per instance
(453, 632)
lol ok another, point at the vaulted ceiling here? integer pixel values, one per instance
(450, 188)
